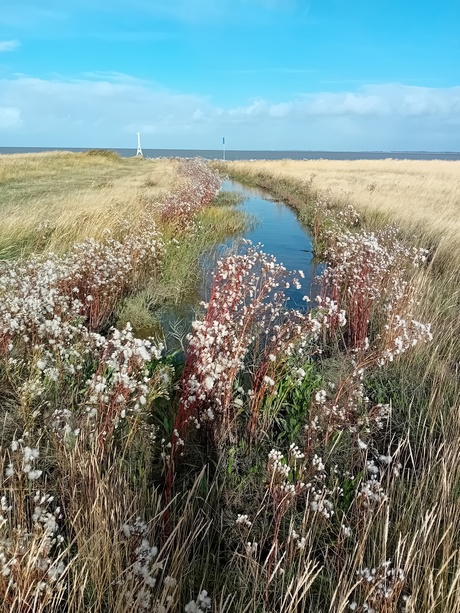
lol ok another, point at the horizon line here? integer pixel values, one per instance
(413, 151)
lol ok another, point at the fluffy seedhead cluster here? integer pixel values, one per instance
(146, 584)
(52, 308)
(32, 555)
(285, 477)
(105, 271)
(328, 218)
(296, 479)
(345, 406)
(48, 303)
(310, 500)
(245, 315)
(142, 567)
(74, 387)
(369, 277)
(202, 604)
(121, 387)
(381, 587)
(199, 186)
(306, 496)
(84, 391)
(47, 342)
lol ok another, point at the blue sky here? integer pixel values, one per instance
(266, 74)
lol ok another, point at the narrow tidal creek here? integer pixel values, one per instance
(277, 228)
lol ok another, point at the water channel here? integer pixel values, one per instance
(276, 227)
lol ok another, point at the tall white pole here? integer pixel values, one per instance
(223, 148)
(139, 150)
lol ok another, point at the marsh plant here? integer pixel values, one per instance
(256, 472)
(76, 399)
(326, 483)
(198, 187)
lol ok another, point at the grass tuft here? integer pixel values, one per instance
(289, 461)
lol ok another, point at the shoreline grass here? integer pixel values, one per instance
(423, 387)
(421, 197)
(297, 461)
(49, 201)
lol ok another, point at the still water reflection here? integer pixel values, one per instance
(277, 228)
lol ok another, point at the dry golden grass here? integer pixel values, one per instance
(51, 200)
(423, 197)
(418, 528)
(423, 523)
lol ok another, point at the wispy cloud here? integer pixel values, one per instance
(9, 45)
(372, 101)
(197, 11)
(96, 111)
(274, 70)
(25, 15)
(134, 36)
(107, 109)
(10, 117)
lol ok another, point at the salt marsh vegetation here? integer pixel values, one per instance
(421, 197)
(51, 200)
(286, 460)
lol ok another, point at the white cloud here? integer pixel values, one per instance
(9, 45)
(25, 14)
(106, 110)
(10, 117)
(207, 11)
(96, 111)
(345, 104)
(57, 19)
(371, 101)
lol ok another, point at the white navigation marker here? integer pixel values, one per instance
(139, 150)
(223, 145)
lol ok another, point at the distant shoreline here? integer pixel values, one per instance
(257, 155)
